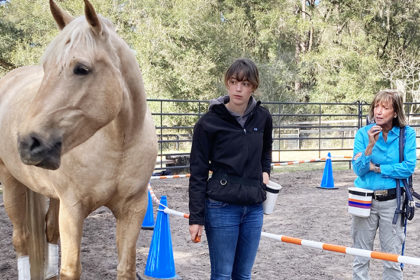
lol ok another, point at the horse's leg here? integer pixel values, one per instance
(26, 211)
(52, 231)
(129, 214)
(14, 196)
(71, 227)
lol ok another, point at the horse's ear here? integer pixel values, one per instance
(61, 17)
(92, 17)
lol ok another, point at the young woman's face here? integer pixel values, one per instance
(384, 113)
(239, 91)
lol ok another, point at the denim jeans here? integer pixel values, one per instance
(233, 234)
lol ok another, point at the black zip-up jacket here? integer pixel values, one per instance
(220, 142)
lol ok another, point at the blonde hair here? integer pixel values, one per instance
(395, 97)
(77, 36)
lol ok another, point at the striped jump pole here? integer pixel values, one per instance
(298, 161)
(340, 156)
(170, 177)
(152, 194)
(344, 250)
(166, 209)
(169, 211)
(309, 160)
(312, 244)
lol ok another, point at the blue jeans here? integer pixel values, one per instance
(233, 234)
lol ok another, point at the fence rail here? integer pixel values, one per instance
(300, 130)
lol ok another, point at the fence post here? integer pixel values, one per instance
(360, 114)
(279, 132)
(161, 134)
(319, 130)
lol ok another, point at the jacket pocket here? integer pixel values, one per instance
(221, 189)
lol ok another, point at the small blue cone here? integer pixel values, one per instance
(160, 262)
(327, 178)
(148, 221)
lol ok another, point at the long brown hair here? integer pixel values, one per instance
(394, 96)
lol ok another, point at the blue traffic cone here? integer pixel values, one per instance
(160, 262)
(148, 221)
(327, 178)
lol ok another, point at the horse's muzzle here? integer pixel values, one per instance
(35, 151)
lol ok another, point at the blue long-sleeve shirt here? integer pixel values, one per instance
(385, 154)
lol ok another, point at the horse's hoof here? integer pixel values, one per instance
(138, 276)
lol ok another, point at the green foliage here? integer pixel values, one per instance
(363, 46)
(324, 51)
(29, 31)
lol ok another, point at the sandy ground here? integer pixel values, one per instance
(302, 211)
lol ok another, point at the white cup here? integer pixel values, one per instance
(272, 194)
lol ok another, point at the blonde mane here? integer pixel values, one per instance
(77, 37)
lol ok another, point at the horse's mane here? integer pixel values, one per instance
(77, 34)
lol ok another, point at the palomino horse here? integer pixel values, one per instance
(77, 130)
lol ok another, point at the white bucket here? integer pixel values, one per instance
(360, 201)
(272, 193)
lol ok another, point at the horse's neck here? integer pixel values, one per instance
(133, 113)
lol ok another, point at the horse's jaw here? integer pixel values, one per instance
(34, 151)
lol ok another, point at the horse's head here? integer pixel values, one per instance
(82, 89)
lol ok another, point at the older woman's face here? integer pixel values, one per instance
(384, 113)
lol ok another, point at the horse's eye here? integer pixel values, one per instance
(81, 70)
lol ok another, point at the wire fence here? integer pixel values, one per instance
(301, 131)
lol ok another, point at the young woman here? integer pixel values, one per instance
(233, 141)
(377, 165)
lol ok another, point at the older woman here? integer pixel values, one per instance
(377, 165)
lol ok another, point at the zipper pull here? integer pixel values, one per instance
(244, 131)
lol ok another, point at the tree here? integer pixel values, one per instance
(307, 50)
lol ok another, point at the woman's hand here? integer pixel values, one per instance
(196, 231)
(266, 178)
(374, 168)
(373, 134)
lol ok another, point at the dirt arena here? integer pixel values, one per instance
(302, 211)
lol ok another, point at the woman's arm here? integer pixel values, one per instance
(361, 159)
(267, 146)
(199, 169)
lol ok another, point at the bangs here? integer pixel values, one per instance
(384, 98)
(243, 70)
(240, 75)
(75, 38)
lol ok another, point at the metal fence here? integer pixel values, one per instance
(301, 131)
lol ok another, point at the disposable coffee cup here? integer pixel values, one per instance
(272, 192)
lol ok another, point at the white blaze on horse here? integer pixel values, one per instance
(77, 130)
